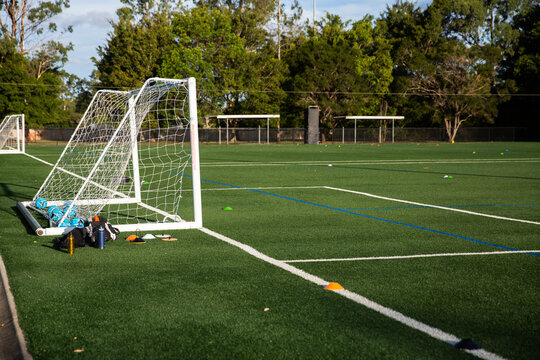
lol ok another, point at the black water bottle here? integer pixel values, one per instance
(101, 237)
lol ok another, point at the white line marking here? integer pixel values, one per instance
(410, 322)
(263, 188)
(13, 311)
(396, 257)
(371, 162)
(38, 159)
(434, 206)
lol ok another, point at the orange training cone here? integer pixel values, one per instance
(96, 218)
(334, 286)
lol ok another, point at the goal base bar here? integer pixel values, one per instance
(56, 231)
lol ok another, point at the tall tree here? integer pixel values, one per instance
(402, 24)
(205, 47)
(225, 46)
(29, 24)
(334, 64)
(522, 72)
(137, 44)
(30, 69)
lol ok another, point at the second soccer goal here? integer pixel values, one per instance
(133, 159)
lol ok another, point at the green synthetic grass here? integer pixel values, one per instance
(201, 298)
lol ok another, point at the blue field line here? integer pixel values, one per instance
(365, 216)
(431, 207)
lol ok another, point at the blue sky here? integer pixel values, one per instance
(90, 20)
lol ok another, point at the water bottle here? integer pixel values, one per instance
(70, 245)
(101, 237)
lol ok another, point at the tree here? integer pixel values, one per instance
(235, 65)
(521, 72)
(334, 65)
(30, 65)
(404, 26)
(204, 46)
(26, 22)
(457, 90)
(21, 92)
(135, 49)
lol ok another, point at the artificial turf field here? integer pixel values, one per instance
(201, 297)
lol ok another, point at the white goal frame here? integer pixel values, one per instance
(393, 118)
(12, 135)
(227, 117)
(172, 221)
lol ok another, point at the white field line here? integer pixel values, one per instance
(13, 312)
(370, 162)
(38, 159)
(395, 315)
(262, 188)
(434, 206)
(397, 257)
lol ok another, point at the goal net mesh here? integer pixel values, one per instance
(11, 129)
(126, 159)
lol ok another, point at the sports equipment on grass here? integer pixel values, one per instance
(12, 134)
(126, 136)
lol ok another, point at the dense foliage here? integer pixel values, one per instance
(450, 63)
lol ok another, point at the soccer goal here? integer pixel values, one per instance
(12, 134)
(249, 117)
(393, 118)
(133, 159)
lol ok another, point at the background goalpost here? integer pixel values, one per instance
(227, 117)
(12, 135)
(128, 160)
(393, 118)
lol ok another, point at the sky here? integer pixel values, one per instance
(91, 23)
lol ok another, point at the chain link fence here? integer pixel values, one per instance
(262, 135)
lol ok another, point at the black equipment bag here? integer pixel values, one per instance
(88, 235)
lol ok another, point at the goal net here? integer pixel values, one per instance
(12, 134)
(133, 159)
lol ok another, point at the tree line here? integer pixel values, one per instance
(450, 63)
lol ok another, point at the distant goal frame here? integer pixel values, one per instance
(12, 144)
(375, 117)
(246, 116)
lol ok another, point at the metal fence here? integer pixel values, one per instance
(262, 135)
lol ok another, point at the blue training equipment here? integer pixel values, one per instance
(41, 203)
(73, 211)
(56, 215)
(51, 209)
(77, 222)
(65, 223)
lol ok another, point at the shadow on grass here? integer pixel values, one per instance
(23, 221)
(6, 191)
(52, 247)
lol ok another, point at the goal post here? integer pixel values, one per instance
(12, 135)
(249, 117)
(133, 159)
(374, 117)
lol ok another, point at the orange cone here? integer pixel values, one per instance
(334, 286)
(96, 218)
